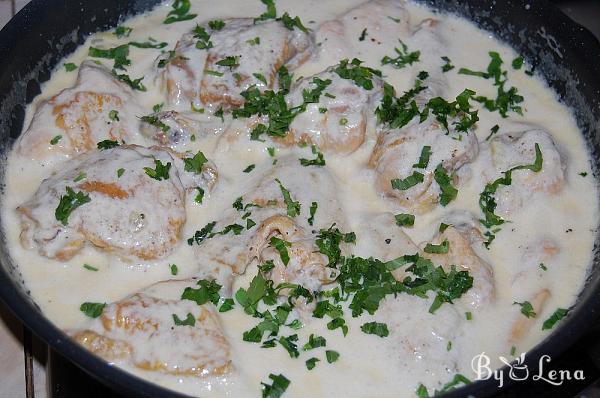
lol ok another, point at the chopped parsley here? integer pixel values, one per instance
(517, 63)
(93, 310)
(70, 67)
(153, 120)
(55, 139)
(68, 203)
(331, 356)
(312, 212)
(118, 54)
(174, 269)
(122, 31)
(160, 172)
(408, 182)
(493, 131)
(559, 314)
(201, 235)
(314, 342)
(506, 100)
(188, 321)
(135, 84)
(249, 168)
(279, 382)
(318, 161)
(526, 309)
(448, 191)
(107, 144)
(80, 176)
(403, 57)
(363, 35)
(293, 207)
(442, 248)
(405, 220)
(362, 76)
(448, 64)
(113, 115)
(229, 61)
(376, 328)
(90, 268)
(291, 23)
(216, 24)
(180, 12)
(206, 291)
(120, 172)
(281, 246)
(311, 363)
(271, 12)
(423, 158)
(195, 163)
(149, 44)
(227, 305)
(487, 202)
(543, 267)
(254, 42)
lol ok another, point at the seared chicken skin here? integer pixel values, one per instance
(108, 198)
(98, 107)
(140, 330)
(212, 67)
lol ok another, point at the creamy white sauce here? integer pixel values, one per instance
(368, 365)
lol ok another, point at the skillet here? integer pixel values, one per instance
(34, 42)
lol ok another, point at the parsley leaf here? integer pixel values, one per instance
(281, 246)
(208, 290)
(188, 321)
(160, 172)
(68, 203)
(405, 220)
(93, 310)
(293, 207)
(559, 314)
(403, 57)
(107, 144)
(408, 182)
(448, 192)
(195, 163)
(526, 309)
(118, 54)
(376, 328)
(180, 12)
(280, 382)
(318, 161)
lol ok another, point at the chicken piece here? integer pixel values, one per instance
(216, 76)
(98, 107)
(306, 266)
(411, 347)
(382, 21)
(174, 129)
(141, 331)
(224, 250)
(523, 323)
(378, 236)
(339, 119)
(462, 241)
(397, 153)
(518, 149)
(108, 198)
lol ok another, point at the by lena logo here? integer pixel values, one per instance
(518, 370)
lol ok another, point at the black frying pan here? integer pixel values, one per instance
(31, 45)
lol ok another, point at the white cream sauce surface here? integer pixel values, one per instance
(368, 365)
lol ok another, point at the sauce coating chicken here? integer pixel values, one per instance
(339, 118)
(98, 107)
(519, 149)
(142, 330)
(213, 66)
(109, 199)
(243, 234)
(380, 23)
